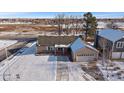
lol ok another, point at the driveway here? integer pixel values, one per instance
(27, 66)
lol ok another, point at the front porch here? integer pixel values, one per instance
(62, 50)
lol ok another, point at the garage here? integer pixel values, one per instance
(116, 55)
(122, 55)
(84, 58)
(82, 52)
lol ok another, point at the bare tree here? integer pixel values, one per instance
(72, 22)
(75, 24)
(67, 24)
(59, 22)
(103, 44)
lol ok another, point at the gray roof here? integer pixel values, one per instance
(77, 44)
(52, 40)
(112, 35)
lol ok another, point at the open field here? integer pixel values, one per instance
(26, 27)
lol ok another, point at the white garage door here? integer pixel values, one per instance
(122, 55)
(84, 58)
(116, 54)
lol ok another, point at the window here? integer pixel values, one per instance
(120, 45)
(50, 48)
(60, 49)
(86, 55)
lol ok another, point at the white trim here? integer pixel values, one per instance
(119, 44)
(92, 48)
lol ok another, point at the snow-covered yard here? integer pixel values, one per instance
(113, 71)
(6, 43)
(28, 66)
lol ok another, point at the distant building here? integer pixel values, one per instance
(112, 41)
(72, 46)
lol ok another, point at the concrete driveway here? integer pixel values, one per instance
(27, 66)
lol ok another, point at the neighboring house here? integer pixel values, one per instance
(83, 52)
(71, 46)
(112, 42)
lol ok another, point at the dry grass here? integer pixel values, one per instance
(26, 28)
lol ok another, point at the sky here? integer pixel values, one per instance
(53, 14)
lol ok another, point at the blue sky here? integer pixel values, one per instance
(53, 14)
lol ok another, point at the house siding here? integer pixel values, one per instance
(108, 46)
(64, 52)
(90, 55)
(118, 49)
(111, 50)
(118, 53)
(108, 43)
(43, 50)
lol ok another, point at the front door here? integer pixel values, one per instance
(59, 51)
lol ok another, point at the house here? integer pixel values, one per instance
(57, 45)
(112, 42)
(72, 46)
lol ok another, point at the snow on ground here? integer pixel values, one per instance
(113, 71)
(91, 43)
(120, 64)
(8, 33)
(27, 66)
(77, 74)
(6, 43)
